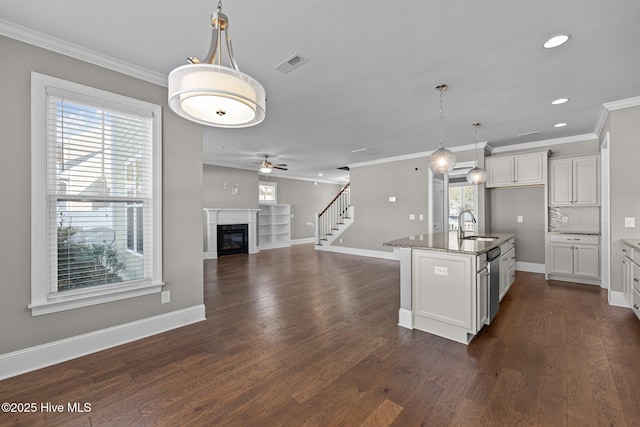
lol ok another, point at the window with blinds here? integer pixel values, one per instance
(100, 193)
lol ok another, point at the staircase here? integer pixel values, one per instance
(335, 218)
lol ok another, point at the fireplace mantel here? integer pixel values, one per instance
(213, 217)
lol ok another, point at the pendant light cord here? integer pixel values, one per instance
(441, 120)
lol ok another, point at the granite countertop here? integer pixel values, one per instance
(632, 242)
(448, 242)
(575, 232)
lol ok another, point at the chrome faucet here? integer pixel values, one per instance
(460, 228)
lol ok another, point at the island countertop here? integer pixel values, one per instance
(449, 242)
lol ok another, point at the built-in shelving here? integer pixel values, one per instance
(274, 226)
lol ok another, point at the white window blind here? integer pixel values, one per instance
(100, 193)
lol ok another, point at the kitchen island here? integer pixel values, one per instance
(444, 285)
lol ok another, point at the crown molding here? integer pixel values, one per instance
(35, 38)
(412, 156)
(544, 143)
(605, 109)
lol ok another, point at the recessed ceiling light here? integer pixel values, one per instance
(320, 174)
(559, 125)
(556, 41)
(560, 101)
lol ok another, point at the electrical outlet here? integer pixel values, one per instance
(165, 297)
(441, 271)
(630, 222)
(565, 219)
(291, 215)
(340, 241)
(421, 217)
(520, 219)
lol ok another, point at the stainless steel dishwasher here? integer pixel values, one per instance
(493, 258)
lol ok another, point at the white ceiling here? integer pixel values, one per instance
(373, 67)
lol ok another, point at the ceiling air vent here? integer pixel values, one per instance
(291, 63)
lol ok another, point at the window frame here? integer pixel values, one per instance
(45, 299)
(274, 185)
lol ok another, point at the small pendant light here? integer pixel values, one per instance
(476, 175)
(441, 160)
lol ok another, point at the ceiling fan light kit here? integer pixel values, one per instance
(213, 94)
(266, 167)
(442, 160)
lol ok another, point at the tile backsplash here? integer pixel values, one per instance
(573, 219)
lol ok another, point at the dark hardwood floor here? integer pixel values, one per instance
(295, 337)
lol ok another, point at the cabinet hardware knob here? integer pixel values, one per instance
(635, 279)
(636, 306)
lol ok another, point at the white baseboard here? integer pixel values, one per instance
(210, 255)
(405, 318)
(530, 267)
(41, 356)
(303, 241)
(359, 252)
(617, 299)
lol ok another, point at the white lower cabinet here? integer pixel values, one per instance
(507, 266)
(631, 277)
(449, 296)
(574, 258)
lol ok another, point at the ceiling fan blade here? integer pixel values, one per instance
(284, 165)
(279, 167)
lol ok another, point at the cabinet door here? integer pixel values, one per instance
(586, 181)
(561, 185)
(528, 169)
(499, 171)
(586, 261)
(482, 298)
(561, 258)
(504, 271)
(627, 280)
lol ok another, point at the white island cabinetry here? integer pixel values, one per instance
(445, 294)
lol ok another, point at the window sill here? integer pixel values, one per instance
(83, 298)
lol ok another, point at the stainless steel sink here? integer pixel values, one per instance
(481, 238)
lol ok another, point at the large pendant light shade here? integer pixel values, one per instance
(442, 160)
(213, 94)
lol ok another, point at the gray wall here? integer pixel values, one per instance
(305, 198)
(218, 183)
(182, 207)
(624, 127)
(509, 203)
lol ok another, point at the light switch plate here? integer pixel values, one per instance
(392, 199)
(520, 219)
(412, 217)
(165, 297)
(630, 222)
(565, 219)
(421, 217)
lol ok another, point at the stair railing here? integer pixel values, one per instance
(333, 215)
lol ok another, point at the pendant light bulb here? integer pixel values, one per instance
(477, 175)
(442, 160)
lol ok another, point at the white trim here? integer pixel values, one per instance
(605, 109)
(30, 359)
(303, 241)
(415, 155)
(405, 318)
(617, 299)
(274, 245)
(45, 41)
(359, 252)
(605, 214)
(545, 143)
(43, 299)
(530, 267)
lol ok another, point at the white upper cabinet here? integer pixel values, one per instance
(516, 170)
(575, 181)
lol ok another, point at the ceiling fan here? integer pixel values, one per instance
(266, 166)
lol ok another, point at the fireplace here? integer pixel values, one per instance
(233, 239)
(214, 217)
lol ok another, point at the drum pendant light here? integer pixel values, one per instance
(213, 94)
(477, 175)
